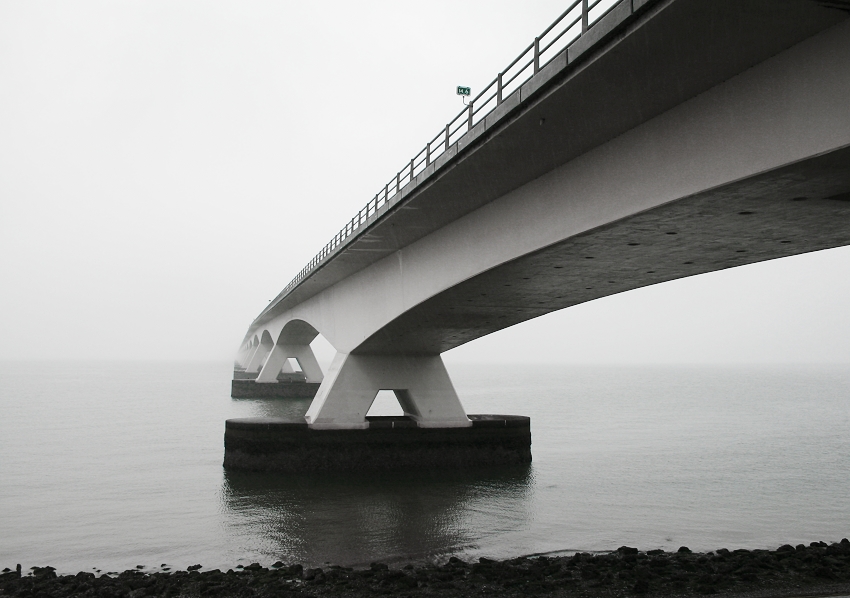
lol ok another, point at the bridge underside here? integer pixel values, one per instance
(590, 189)
(796, 209)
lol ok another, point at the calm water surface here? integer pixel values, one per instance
(110, 466)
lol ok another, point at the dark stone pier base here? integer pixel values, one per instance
(249, 389)
(274, 444)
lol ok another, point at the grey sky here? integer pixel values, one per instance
(167, 167)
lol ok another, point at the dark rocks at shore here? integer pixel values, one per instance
(817, 569)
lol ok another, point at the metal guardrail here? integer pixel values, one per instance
(567, 28)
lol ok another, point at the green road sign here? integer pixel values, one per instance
(463, 91)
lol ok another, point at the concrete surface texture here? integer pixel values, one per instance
(269, 444)
(687, 136)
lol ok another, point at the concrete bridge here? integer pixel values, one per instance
(650, 141)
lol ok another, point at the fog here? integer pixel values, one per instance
(167, 167)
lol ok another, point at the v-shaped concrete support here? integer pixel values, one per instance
(421, 384)
(277, 362)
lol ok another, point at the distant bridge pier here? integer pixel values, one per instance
(277, 362)
(420, 383)
(259, 353)
(268, 373)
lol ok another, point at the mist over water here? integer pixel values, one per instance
(113, 465)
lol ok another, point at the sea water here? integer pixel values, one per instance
(112, 465)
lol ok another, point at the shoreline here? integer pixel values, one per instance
(818, 569)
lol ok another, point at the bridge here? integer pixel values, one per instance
(633, 142)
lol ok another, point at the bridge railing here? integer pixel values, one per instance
(579, 16)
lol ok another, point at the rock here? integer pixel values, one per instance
(785, 548)
(311, 574)
(627, 550)
(193, 567)
(641, 587)
(684, 550)
(378, 567)
(277, 565)
(295, 570)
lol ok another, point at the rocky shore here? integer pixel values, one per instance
(815, 570)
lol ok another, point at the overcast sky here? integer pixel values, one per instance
(167, 167)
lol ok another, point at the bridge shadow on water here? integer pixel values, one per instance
(348, 518)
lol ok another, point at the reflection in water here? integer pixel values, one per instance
(354, 519)
(288, 408)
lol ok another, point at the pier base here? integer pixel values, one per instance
(296, 389)
(390, 442)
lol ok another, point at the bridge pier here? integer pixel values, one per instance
(289, 446)
(260, 353)
(278, 361)
(420, 382)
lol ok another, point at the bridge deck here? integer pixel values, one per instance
(643, 59)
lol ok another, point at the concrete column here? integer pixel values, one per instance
(248, 355)
(277, 362)
(259, 357)
(305, 357)
(421, 384)
(273, 365)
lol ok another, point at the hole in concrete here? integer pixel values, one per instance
(507, 285)
(587, 257)
(688, 262)
(740, 251)
(785, 241)
(526, 278)
(323, 351)
(588, 288)
(610, 282)
(671, 233)
(558, 267)
(799, 198)
(650, 271)
(746, 213)
(385, 403)
(634, 244)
